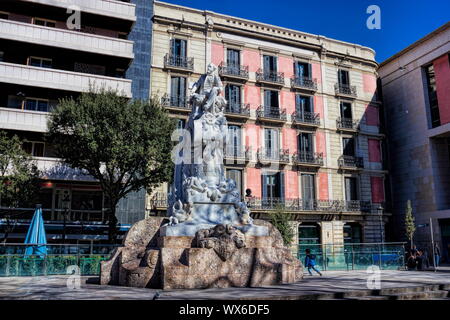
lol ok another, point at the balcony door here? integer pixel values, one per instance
(271, 106)
(178, 48)
(302, 70)
(178, 91)
(351, 191)
(348, 147)
(304, 105)
(271, 143)
(234, 142)
(233, 96)
(233, 60)
(305, 145)
(344, 78)
(270, 65)
(308, 191)
(346, 110)
(272, 188)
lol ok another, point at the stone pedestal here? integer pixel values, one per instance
(151, 260)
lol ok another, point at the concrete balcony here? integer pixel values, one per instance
(270, 156)
(60, 79)
(308, 159)
(54, 169)
(109, 8)
(24, 120)
(68, 39)
(350, 162)
(271, 114)
(270, 77)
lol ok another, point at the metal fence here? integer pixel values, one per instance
(356, 256)
(15, 263)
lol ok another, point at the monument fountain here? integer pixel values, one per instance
(209, 238)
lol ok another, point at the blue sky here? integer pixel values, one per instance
(402, 21)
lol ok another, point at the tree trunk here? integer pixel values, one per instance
(112, 222)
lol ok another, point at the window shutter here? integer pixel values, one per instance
(281, 183)
(183, 49)
(264, 186)
(311, 104)
(172, 47)
(266, 64)
(267, 99)
(309, 75)
(174, 89)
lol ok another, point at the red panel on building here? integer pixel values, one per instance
(291, 183)
(318, 106)
(442, 73)
(217, 52)
(372, 116)
(374, 150)
(369, 83)
(316, 72)
(290, 139)
(252, 95)
(252, 59)
(377, 189)
(320, 143)
(323, 186)
(252, 134)
(287, 101)
(286, 65)
(254, 181)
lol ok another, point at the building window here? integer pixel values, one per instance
(4, 15)
(351, 189)
(236, 176)
(309, 233)
(271, 143)
(346, 110)
(33, 104)
(305, 143)
(272, 188)
(304, 105)
(120, 73)
(271, 105)
(44, 22)
(2, 54)
(89, 68)
(432, 96)
(352, 233)
(178, 48)
(33, 148)
(233, 59)
(270, 64)
(308, 191)
(178, 91)
(234, 143)
(302, 70)
(348, 147)
(40, 62)
(233, 96)
(122, 35)
(343, 78)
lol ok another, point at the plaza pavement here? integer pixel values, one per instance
(312, 287)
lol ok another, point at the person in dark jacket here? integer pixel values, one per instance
(310, 262)
(437, 255)
(411, 262)
(420, 260)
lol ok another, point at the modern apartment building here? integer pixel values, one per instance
(416, 96)
(303, 113)
(44, 56)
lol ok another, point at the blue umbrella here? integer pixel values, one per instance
(36, 235)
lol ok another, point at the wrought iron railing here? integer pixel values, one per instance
(175, 101)
(233, 70)
(238, 153)
(176, 61)
(53, 215)
(238, 109)
(306, 117)
(269, 155)
(347, 123)
(304, 83)
(270, 76)
(267, 112)
(345, 89)
(308, 158)
(350, 162)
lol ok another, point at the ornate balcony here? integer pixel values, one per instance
(238, 110)
(345, 90)
(175, 102)
(270, 77)
(238, 154)
(308, 158)
(266, 156)
(347, 124)
(272, 114)
(233, 71)
(309, 119)
(180, 63)
(304, 83)
(305, 205)
(350, 162)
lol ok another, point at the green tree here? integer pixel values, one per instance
(124, 144)
(19, 184)
(281, 219)
(410, 226)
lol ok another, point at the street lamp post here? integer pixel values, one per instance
(380, 213)
(65, 204)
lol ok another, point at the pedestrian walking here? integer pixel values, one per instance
(437, 255)
(310, 262)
